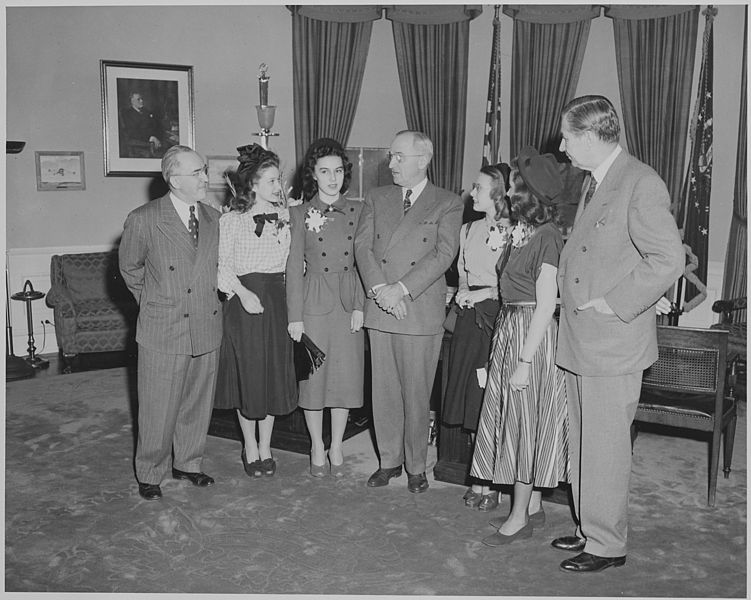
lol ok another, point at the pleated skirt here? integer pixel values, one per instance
(522, 435)
(470, 350)
(256, 372)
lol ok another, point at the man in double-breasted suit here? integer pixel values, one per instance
(623, 253)
(168, 259)
(407, 237)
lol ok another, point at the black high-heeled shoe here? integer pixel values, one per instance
(253, 469)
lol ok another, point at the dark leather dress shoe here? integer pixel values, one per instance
(381, 476)
(199, 479)
(417, 483)
(590, 563)
(149, 491)
(569, 543)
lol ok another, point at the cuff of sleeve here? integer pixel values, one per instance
(404, 289)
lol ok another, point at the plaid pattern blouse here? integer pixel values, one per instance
(241, 251)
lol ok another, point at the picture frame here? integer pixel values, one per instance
(58, 171)
(217, 165)
(146, 108)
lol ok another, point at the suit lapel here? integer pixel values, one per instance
(417, 213)
(173, 228)
(604, 194)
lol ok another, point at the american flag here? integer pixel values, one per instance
(491, 151)
(698, 185)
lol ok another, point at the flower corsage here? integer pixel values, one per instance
(315, 220)
(497, 238)
(282, 229)
(520, 234)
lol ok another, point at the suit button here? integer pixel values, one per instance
(349, 237)
(424, 239)
(351, 209)
(378, 236)
(346, 253)
(185, 315)
(323, 254)
(584, 248)
(346, 268)
(412, 263)
(189, 290)
(326, 269)
(320, 239)
(215, 312)
(384, 261)
(576, 311)
(171, 268)
(576, 280)
(351, 223)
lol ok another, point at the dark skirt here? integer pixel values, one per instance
(470, 350)
(256, 369)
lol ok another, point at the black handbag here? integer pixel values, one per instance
(307, 357)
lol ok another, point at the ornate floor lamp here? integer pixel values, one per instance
(15, 366)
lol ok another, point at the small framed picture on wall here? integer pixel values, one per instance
(146, 109)
(218, 166)
(58, 171)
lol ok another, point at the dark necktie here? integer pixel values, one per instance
(590, 190)
(407, 201)
(262, 219)
(193, 226)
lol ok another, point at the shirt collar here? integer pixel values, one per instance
(603, 168)
(316, 202)
(416, 190)
(182, 208)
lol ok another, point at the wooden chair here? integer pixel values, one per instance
(686, 388)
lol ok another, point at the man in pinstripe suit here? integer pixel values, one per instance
(168, 258)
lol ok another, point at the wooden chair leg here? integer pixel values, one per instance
(714, 462)
(728, 441)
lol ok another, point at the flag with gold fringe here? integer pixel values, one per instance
(491, 151)
(698, 185)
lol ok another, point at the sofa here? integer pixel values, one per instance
(93, 309)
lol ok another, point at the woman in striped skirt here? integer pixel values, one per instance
(522, 433)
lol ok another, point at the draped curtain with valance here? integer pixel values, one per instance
(655, 48)
(432, 56)
(548, 50)
(329, 49)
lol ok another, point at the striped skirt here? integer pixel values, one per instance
(522, 435)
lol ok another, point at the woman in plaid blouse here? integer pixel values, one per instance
(256, 371)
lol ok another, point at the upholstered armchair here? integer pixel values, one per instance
(93, 309)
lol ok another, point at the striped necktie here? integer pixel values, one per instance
(407, 201)
(590, 190)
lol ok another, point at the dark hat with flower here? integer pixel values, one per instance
(542, 174)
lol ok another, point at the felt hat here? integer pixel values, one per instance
(542, 174)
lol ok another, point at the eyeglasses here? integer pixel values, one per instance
(197, 173)
(400, 156)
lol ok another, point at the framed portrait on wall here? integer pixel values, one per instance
(146, 109)
(217, 166)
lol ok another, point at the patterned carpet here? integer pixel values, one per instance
(75, 523)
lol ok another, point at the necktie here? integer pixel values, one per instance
(193, 226)
(590, 190)
(407, 201)
(262, 219)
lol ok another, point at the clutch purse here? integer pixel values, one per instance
(307, 357)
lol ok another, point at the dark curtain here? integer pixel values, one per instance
(548, 49)
(432, 60)
(735, 280)
(328, 61)
(655, 49)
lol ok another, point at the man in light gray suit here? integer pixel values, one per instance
(623, 253)
(168, 259)
(407, 237)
